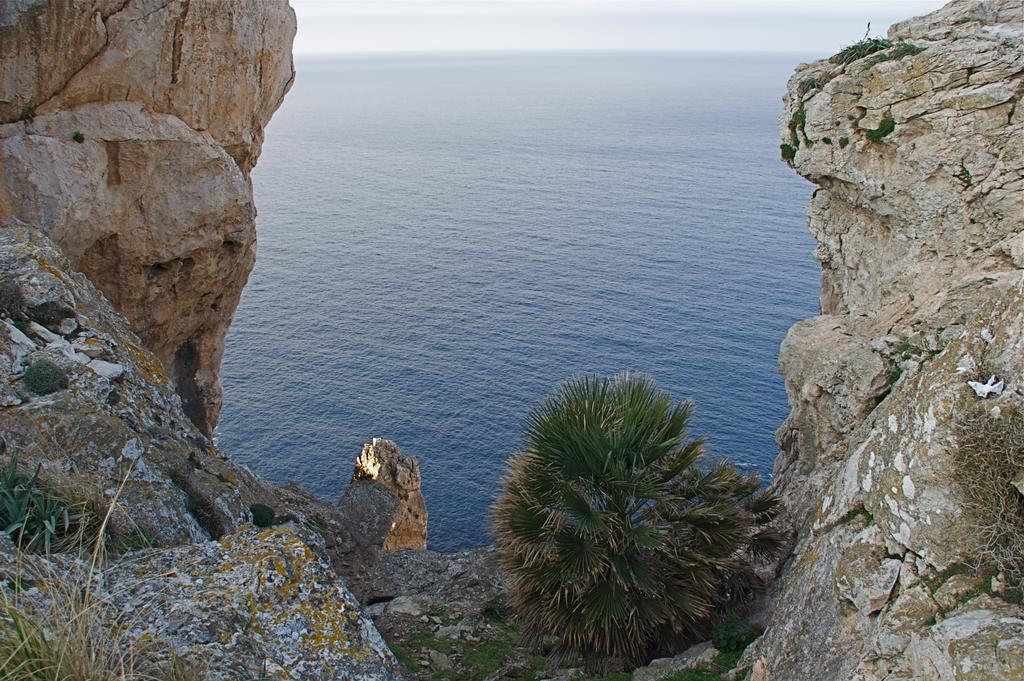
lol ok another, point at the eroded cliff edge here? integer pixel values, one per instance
(128, 129)
(918, 152)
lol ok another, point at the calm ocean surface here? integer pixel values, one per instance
(445, 238)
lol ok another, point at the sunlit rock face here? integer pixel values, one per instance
(385, 490)
(917, 150)
(127, 133)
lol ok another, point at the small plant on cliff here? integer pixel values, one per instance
(989, 472)
(33, 518)
(262, 515)
(44, 378)
(902, 49)
(859, 50)
(611, 536)
(78, 137)
(787, 152)
(884, 129)
(732, 634)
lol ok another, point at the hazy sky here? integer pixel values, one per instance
(335, 26)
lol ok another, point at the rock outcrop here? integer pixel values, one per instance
(919, 217)
(127, 133)
(256, 604)
(106, 428)
(110, 414)
(384, 499)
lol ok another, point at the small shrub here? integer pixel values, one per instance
(733, 634)
(78, 137)
(44, 378)
(860, 50)
(808, 84)
(262, 515)
(964, 175)
(987, 471)
(788, 152)
(494, 610)
(844, 142)
(970, 20)
(797, 123)
(611, 536)
(902, 49)
(827, 140)
(32, 517)
(884, 129)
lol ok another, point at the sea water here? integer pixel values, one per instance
(443, 239)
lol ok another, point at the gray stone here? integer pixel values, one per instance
(107, 370)
(406, 606)
(699, 656)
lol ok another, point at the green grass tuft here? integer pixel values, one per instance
(860, 50)
(844, 142)
(44, 378)
(884, 129)
(902, 49)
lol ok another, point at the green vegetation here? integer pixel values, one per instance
(78, 137)
(68, 637)
(733, 634)
(262, 515)
(45, 377)
(859, 513)
(472, 660)
(964, 175)
(843, 142)
(614, 534)
(987, 469)
(33, 518)
(970, 20)
(884, 129)
(859, 50)
(797, 124)
(808, 84)
(788, 152)
(902, 49)
(728, 660)
(827, 140)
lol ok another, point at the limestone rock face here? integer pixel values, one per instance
(259, 602)
(385, 490)
(127, 133)
(919, 221)
(113, 416)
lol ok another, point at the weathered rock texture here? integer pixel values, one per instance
(258, 604)
(117, 412)
(127, 133)
(382, 471)
(920, 234)
(254, 600)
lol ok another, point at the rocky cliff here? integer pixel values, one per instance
(127, 132)
(916, 144)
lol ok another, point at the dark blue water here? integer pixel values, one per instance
(444, 239)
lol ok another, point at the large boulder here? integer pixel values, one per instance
(384, 499)
(127, 133)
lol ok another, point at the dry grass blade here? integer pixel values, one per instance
(989, 470)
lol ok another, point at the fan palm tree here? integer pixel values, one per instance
(610, 535)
